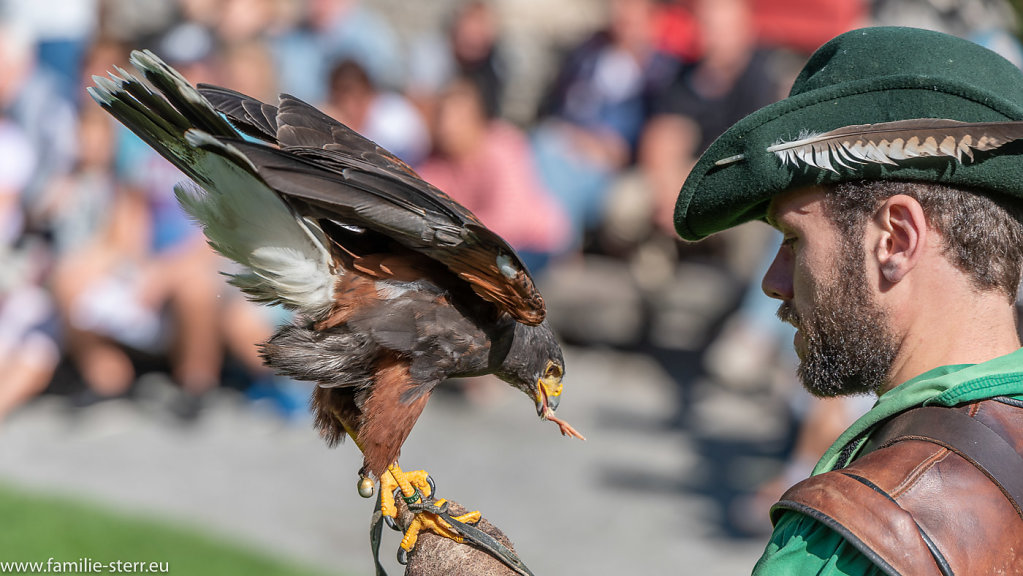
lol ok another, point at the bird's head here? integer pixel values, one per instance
(535, 364)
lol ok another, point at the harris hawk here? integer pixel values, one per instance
(395, 286)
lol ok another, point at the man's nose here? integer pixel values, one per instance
(777, 282)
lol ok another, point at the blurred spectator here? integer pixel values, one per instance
(17, 167)
(676, 31)
(332, 31)
(990, 23)
(485, 164)
(963, 18)
(31, 98)
(248, 66)
(135, 274)
(803, 25)
(28, 352)
(143, 278)
(205, 13)
(732, 78)
(179, 270)
(135, 21)
(76, 206)
(594, 111)
(469, 47)
(242, 21)
(61, 36)
(191, 43)
(96, 228)
(384, 116)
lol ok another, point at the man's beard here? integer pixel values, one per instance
(849, 348)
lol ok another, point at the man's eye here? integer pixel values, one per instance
(788, 241)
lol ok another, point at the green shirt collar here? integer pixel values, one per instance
(943, 386)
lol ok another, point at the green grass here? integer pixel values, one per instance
(35, 528)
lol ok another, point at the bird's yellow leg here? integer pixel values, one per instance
(409, 483)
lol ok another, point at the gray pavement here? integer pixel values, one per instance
(637, 497)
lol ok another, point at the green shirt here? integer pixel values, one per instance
(800, 544)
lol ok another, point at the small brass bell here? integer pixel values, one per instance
(366, 487)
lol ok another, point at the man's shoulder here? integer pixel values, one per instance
(915, 505)
(865, 516)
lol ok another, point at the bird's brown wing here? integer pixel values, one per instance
(326, 170)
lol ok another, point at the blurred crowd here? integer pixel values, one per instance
(103, 277)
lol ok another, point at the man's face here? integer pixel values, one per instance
(843, 339)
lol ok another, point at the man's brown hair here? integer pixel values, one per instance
(983, 236)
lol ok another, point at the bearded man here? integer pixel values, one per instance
(894, 171)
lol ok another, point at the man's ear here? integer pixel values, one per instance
(901, 236)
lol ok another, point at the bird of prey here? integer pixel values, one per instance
(396, 287)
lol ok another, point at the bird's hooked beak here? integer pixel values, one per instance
(548, 396)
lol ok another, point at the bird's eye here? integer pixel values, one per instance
(553, 371)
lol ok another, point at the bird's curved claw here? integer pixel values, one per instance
(391, 524)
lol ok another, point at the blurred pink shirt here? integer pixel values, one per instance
(500, 185)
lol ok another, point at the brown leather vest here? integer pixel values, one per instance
(936, 491)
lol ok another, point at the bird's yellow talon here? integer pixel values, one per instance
(416, 486)
(433, 523)
(419, 479)
(469, 517)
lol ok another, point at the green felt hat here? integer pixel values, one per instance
(867, 77)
